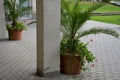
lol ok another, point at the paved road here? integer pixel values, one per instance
(18, 58)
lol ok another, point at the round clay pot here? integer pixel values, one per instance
(15, 34)
(70, 64)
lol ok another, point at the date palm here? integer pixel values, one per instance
(73, 19)
(15, 9)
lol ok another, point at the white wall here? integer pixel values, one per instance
(2, 21)
(48, 36)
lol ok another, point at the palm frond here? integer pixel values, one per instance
(23, 10)
(94, 7)
(8, 4)
(97, 31)
(32, 22)
(16, 10)
(66, 15)
(85, 15)
(73, 17)
(65, 32)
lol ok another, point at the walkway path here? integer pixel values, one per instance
(18, 58)
(105, 13)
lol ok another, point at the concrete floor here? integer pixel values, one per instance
(18, 58)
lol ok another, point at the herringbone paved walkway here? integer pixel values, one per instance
(18, 58)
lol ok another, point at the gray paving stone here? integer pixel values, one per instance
(18, 58)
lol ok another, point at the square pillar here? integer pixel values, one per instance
(2, 21)
(48, 36)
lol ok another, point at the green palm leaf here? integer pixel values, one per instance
(98, 31)
(32, 22)
(73, 17)
(72, 20)
(16, 10)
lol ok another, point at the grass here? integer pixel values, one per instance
(105, 8)
(108, 8)
(114, 19)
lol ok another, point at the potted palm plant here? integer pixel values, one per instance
(74, 53)
(15, 10)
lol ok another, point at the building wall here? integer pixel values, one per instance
(2, 21)
(34, 6)
(48, 36)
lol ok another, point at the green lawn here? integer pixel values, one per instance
(105, 8)
(108, 8)
(114, 19)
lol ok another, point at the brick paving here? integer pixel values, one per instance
(18, 58)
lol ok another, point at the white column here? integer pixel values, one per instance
(2, 21)
(48, 36)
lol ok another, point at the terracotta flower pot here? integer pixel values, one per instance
(15, 34)
(70, 64)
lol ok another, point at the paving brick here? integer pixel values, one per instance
(18, 58)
